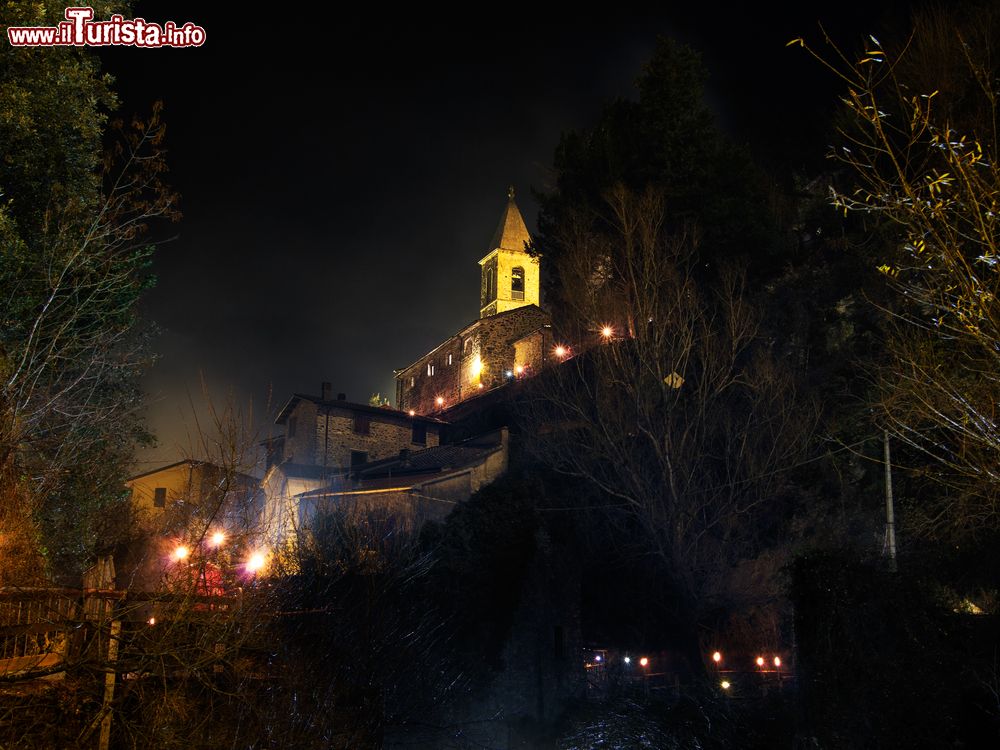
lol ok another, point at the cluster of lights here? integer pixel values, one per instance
(643, 661)
(254, 563)
(760, 661)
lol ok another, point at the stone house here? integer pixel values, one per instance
(414, 486)
(324, 438)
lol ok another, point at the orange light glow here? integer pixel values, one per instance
(181, 553)
(607, 332)
(519, 369)
(218, 538)
(480, 386)
(777, 661)
(439, 400)
(561, 351)
(725, 685)
(716, 657)
(152, 620)
(256, 562)
(412, 413)
(760, 661)
(644, 662)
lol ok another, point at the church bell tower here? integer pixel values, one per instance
(509, 274)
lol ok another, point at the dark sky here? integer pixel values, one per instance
(342, 172)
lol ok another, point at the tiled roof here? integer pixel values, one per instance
(385, 412)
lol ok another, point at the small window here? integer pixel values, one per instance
(362, 423)
(293, 424)
(413, 381)
(450, 358)
(467, 347)
(358, 458)
(419, 433)
(430, 369)
(517, 283)
(160, 497)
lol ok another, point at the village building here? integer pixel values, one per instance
(325, 437)
(412, 487)
(512, 338)
(163, 498)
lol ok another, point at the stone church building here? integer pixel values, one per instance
(512, 338)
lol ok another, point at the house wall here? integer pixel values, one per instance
(177, 480)
(325, 436)
(189, 486)
(335, 436)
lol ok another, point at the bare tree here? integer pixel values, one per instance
(673, 407)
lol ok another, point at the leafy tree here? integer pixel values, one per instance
(72, 267)
(666, 138)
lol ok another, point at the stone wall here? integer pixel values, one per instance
(481, 355)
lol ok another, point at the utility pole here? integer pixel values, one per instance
(890, 517)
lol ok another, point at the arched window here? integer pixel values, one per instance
(517, 283)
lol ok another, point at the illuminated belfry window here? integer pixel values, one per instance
(430, 369)
(449, 359)
(489, 284)
(517, 283)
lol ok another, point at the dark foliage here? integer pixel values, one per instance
(883, 665)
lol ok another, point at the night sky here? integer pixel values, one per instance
(341, 175)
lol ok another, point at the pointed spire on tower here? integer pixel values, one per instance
(512, 232)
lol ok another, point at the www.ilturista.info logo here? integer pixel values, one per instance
(79, 29)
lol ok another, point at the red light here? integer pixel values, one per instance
(716, 657)
(644, 662)
(760, 661)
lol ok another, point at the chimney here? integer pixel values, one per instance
(342, 397)
(325, 390)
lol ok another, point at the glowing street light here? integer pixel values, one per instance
(760, 661)
(607, 332)
(725, 685)
(439, 400)
(777, 661)
(218, 538)
(256, 562)
(519, 369)
(597, 657)
(716, 657)
(561, 351)
(644, 662)
(412, 413)
(628, 659)
(181, 553)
